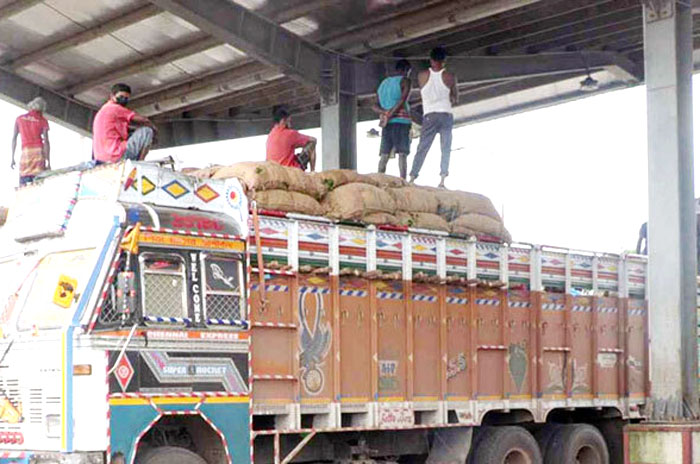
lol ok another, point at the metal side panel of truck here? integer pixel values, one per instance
(138, 322)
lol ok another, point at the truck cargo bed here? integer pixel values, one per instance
(363, 327)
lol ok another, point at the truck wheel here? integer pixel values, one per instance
(612, 432)
(577, 443)
(505, 445)
(170, 455)
(545, 434)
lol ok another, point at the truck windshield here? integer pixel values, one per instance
(39, 308)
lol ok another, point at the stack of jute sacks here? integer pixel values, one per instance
(368, 198)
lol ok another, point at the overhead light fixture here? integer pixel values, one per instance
(589, 84)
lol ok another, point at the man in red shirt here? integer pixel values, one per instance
(34, 129)
(283, 140)
(110, 130)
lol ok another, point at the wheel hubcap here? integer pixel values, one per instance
(517, 456)
(587, 455)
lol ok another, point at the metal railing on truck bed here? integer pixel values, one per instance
(416, 328)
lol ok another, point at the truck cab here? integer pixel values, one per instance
(123, 305)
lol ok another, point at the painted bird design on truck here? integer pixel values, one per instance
(219, 274)
(314, 344)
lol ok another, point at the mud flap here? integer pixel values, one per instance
(450, 446)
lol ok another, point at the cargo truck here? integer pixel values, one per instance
(147, 316)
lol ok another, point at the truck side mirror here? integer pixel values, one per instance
(126, 294)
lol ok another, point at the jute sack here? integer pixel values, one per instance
(405, 218)
(430, 221)
(303, 182)
(353, 201)
(452, 204)
(380, 219)
(288, 201)
(204, 173)
(414, 200)
(480, 224)
(265, 175)
(256, 175)
(384, 180)
(422, 221)
(458, 229)
(335, 178)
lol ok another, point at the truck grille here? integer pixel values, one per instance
(224, 306)
(164, 296)
(108, 309)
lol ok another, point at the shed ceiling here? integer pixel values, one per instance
(199, 87)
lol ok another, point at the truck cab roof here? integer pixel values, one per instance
(156, 196)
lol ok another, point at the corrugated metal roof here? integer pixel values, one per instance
(79, 48)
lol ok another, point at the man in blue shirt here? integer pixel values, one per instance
(395, 118)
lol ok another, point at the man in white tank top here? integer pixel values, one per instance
(438, 90)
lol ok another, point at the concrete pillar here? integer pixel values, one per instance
(339, 132)
(668, 50)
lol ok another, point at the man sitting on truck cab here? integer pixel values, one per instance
(110, 131)
(283, 140)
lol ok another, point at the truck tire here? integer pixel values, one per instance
(169, 455)
(505, 445)
(545, 434)
(577, 443)
(612, 432)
